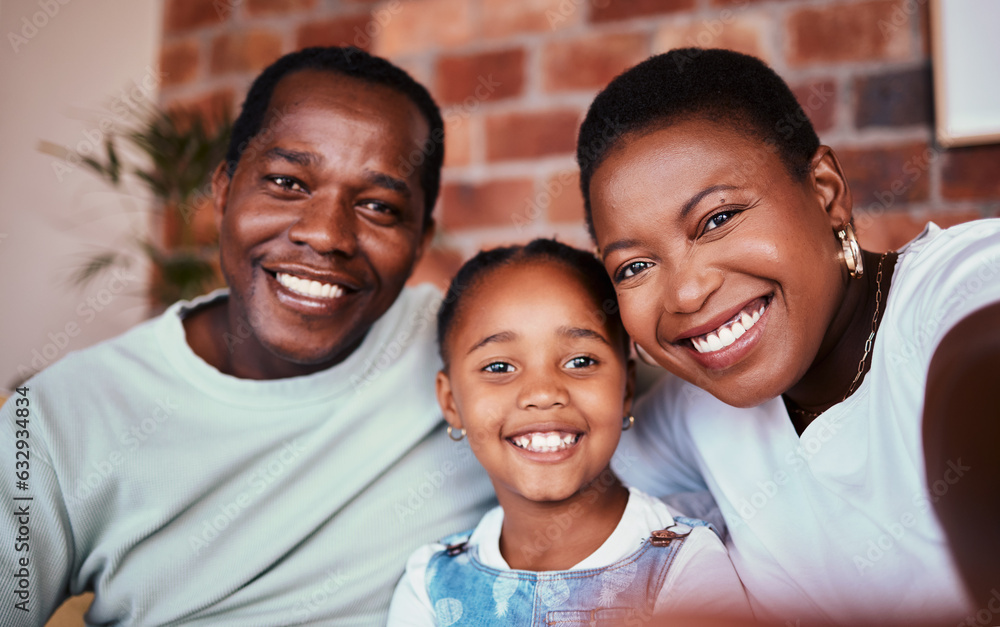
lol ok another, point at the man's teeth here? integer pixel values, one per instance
(548, 442)
(728, 333)
(307, 287)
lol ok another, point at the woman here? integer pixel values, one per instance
(836, 402)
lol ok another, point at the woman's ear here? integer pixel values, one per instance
(830, 186)
(446, 399)
(220, 194)
(629, 385)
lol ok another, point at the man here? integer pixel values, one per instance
(270, 454)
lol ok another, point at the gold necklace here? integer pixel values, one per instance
(868, 346)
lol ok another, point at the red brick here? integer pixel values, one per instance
(893, 98)
(847, 32)
(278, 7)
(340, 31)
(881, 231)
(243, 52)
(179, 62)
(484, 76)
(503, 18)
(613, 10)
(725, 30)
(886, 177)
(819, 101)
(183, 15)
(437, 266)
(457, 140)
(531, 134)
(566, 201)
(971, 173)
(591, 62)
(210, 107)
(493, 203)
(418, 25)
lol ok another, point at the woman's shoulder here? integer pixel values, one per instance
(945, 274)
(978, 241)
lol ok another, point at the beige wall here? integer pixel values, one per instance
(62, 62)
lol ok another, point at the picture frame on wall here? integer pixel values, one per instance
(965, 51)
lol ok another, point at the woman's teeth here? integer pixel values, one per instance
(729, 332)
(549, 442)
(307, 287)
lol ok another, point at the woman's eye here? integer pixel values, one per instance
(632, 269)
(581, 362)
(499, 367)
(288, 183)
(719, 219)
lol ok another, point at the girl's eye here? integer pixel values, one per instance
(632, 269)
(288, 183)
(719, 219)
(499, 367)
(581, 362)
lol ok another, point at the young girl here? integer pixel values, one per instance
(537, 378)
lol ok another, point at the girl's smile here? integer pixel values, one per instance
(537, 379)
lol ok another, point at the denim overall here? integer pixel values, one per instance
(465, 592)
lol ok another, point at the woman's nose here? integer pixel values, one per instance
(688, 285)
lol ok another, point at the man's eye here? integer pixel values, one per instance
(581, 362)
(378, 206)
(288, 183)
(499, 367)
(632, 269)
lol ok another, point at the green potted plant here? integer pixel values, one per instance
(173, 155)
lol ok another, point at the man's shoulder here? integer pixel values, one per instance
(138, 344)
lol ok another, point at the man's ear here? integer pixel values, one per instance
(830, 186)
(629, 386)
(220, 194)
(425, 240)
(446, 399)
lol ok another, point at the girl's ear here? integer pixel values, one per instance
(830, 186)
(446, 399)
(629, 386)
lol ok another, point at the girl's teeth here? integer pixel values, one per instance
(726, 335)
(544, 442)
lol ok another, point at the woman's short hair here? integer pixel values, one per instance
(723, 86)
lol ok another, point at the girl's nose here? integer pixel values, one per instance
(543, 391)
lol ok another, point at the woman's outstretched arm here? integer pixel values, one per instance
(961, 431)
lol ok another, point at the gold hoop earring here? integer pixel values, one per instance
(852, 251)
(627, 422)
(461, 434)
(643, 355)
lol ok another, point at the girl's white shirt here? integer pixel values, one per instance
(701, 581)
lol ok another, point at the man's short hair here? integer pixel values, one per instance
(355, 63)
(723, 86)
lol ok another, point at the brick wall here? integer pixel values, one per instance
(515, 77)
